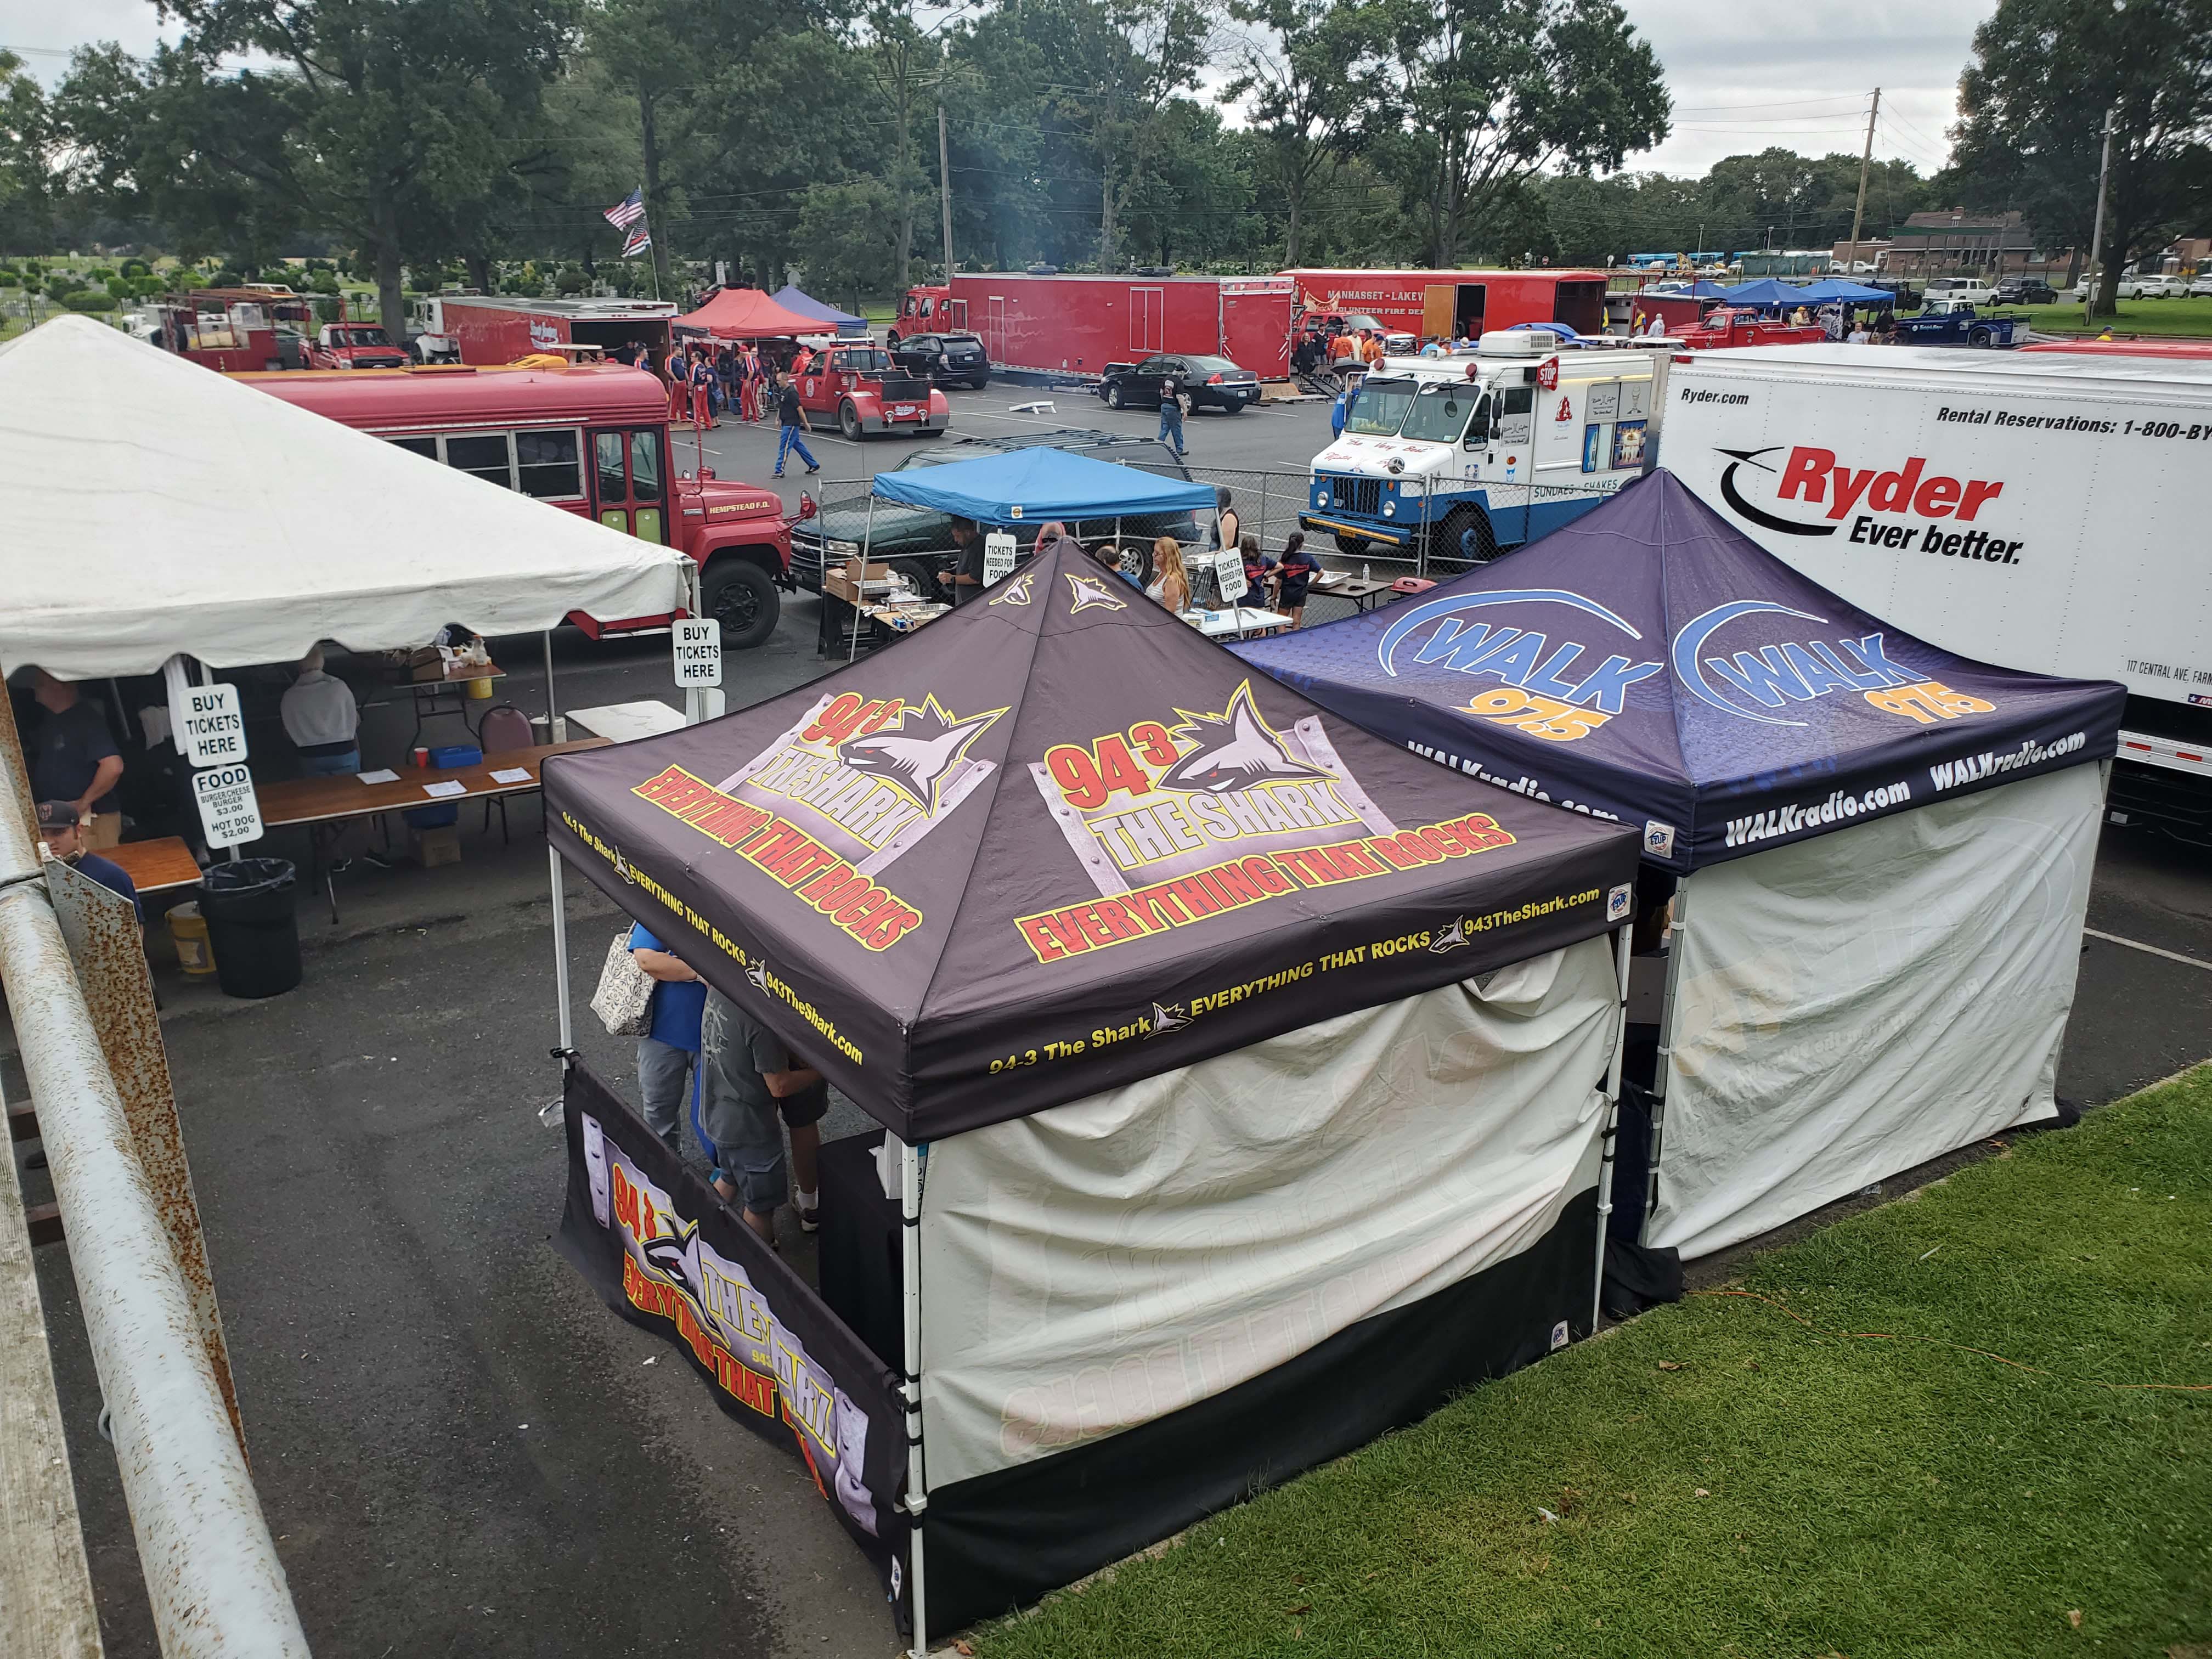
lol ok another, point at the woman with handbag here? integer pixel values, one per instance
(668, 1047)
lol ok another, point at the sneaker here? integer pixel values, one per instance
(379, 861)
(778, 473)
(813, 469)
(810, 1221)
(337, 866)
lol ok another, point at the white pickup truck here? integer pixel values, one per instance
(1964, 290)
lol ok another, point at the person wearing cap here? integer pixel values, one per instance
(64, 835)
(73, 758)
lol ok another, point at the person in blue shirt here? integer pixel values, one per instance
(63, 831)
(1341, 410)
(668, 1053)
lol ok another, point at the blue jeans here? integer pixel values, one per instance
(1171, 422)
(331, 766)
(788, 441)
(665, 1076)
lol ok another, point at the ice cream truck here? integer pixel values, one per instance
(1450, 460)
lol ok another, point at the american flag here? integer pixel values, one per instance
(627, 211)
(639, 239)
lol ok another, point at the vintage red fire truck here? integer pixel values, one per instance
(355, 345)
(858, 390)
(1728, 326)
(592, 441)
(1050, 324)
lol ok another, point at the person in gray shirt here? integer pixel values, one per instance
(751, 1080)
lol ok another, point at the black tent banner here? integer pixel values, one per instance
(666, 1254)
(1057, 842)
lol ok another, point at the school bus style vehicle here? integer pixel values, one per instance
(592, 440)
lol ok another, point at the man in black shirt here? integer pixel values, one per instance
(965, 579)
(73, 758)
(793, 421)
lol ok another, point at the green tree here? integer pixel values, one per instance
(372, 121)
(846, 235)
(1496, 94)
(31, 186)
(2031, 105)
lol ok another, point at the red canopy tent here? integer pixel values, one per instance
(738, 313)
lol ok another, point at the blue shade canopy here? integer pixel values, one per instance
(1766, 291)
(1700, 290)
(1832, 289)
(790, 299)
(1022, 486)
(1652, 663)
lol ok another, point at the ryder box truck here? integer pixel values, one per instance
(2041, 512)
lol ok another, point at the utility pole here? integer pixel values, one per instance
(1866, 161)
(944, 188)
(2097, 231)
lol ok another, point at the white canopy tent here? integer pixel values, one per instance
(149, 508)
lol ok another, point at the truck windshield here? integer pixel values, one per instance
(1439, 412)
(1382, 406)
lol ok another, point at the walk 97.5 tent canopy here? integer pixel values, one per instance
(745, 313)
(149, 508)
(1885, 848)
(1163, 961)
(806, 305)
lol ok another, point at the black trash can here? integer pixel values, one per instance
(251, 925)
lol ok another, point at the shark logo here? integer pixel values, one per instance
(1092, 593)
(1235, 751)
(623, 869)
(1449, 938)
(914, 756)
(1016, 590)
(1166, 1017)
(757, 975)
(1766, 520)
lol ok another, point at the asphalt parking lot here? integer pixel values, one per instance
(460, 1450)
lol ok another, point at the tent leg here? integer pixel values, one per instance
(557, 729)
(1620, 943)
(860, 586)
(917, 1478)
(1667, 1007)
(560, 950)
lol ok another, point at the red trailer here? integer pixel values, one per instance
(1077, 325)
(1451, 303)
(491, 332)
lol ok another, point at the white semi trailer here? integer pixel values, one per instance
(2041, 511)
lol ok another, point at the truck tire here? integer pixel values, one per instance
(1451, 550)
(1979, 337)
(849, 421)
(891, 341)
(741, 596)
(1113, 396)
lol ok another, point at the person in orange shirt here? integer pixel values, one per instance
(1370, 350)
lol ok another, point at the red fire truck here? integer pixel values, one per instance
(490, 330)
(858, 390)
(1725, 326)
(592, 441)
(1076, 325)
(1449, 304)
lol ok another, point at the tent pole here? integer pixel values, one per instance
(860, 587)
(1667, 1008)
(1621, 938)
(556, 730)
(917, 1479)
(559, 949)
(207, 677)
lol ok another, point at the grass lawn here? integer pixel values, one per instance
(2188, 318)
(1730, 1482)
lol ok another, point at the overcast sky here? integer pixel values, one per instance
(1743, 78)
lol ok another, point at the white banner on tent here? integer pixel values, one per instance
(1103, 1263)
(1854, 1004)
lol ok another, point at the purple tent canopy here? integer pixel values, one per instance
(791, 299)
(1651, 664)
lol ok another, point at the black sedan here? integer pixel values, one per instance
(1205, 382)
(957, 357)
(2016, 291)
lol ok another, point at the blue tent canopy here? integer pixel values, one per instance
(1700, 290)
(790, 299)
(1833, 288)
(1765, 291)
(1022, 486)
(1652, 663)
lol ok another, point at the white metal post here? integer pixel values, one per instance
(1621, 939)
(559, 949)
(917, 1476)
(860, 585)
(557, 729)
(1667, 1007)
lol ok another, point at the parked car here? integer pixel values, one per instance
(917, 541)
(2200, 286)
(1955, 322)
(957, 357)
(355, 345)
(1971, 290)
(2154, 287)
(2026, 291)
(1208, 383)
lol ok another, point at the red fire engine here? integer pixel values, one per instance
(863, 393)
(1727, 326)
(1076, 325)
(592, 441)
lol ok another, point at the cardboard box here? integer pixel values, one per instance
(433, 848)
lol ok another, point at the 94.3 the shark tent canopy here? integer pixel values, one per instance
(1055, 842)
